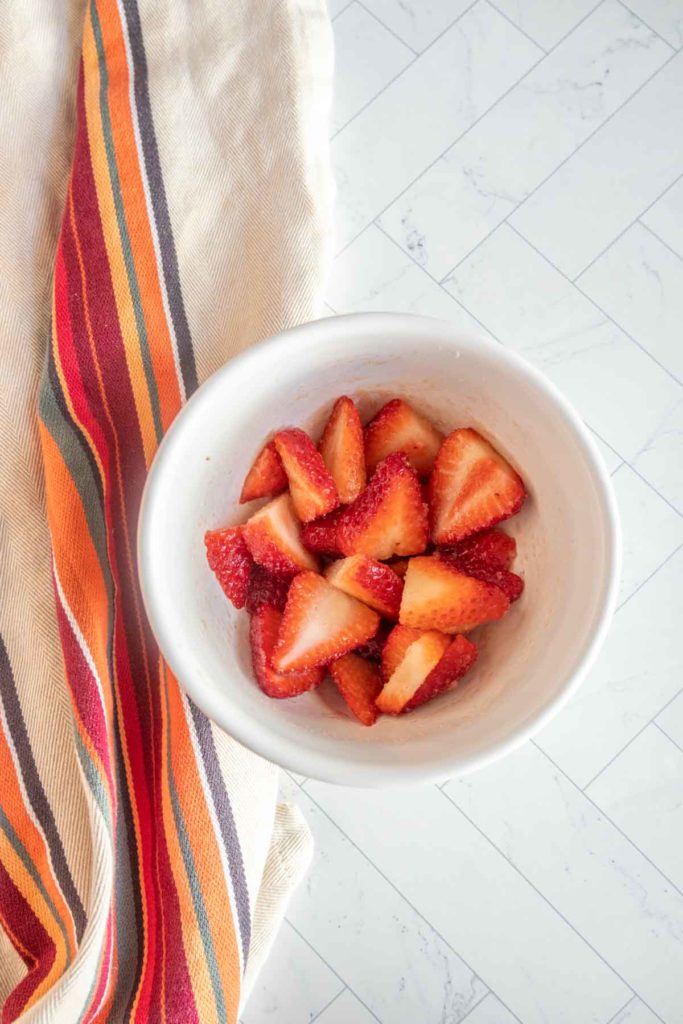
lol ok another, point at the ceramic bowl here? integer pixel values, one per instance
(530, 663)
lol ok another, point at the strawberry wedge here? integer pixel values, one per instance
(437, 595)
(273, 536)
(359, 683)
(229, 558)
(471, 488)
(320, 623)
(263, 631)
(394, 650)
(421, 657)
(398, 428)
(320, 535)
(342, 449)
(312, 488)
(266, 478)
(372, 582)
(458, 659)
(492, 547)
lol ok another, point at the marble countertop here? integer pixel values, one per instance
(517, 167)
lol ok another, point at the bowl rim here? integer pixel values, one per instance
(281, 749)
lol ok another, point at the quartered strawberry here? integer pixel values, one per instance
(471, 488)
(421, 657)
(320, 623)
(273, 536)
(394, 650)
(458, 659)
(320, 535)
(372, 582)
(265, 588)
(510, 583)
(266, 478)
(312, 488)
(389, 518)
(398, 428)
(360, 684)
(229, 557)
(263, 631)
(437, 595)
(342, 449)
(492, 547)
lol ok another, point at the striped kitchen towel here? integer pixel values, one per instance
(164, 202)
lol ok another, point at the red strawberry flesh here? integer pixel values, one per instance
(372, 582)
(313, 490)
(266, 478)
(231, 562)
(398, 428)
(263, 631)
(273, 536)
(458, 659)
(360, 684)
(265, 588)
(343, 451)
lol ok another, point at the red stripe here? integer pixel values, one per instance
(31, 941)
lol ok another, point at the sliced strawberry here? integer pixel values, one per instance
(492, 547)
(263, 631)
(266, 478)
(437, 595)
(471, 488)
(400, 566)
(320, 623)
(320, 536)
(312, 488)
(394, 650)
(273, 536)
(389, 518)
(265, 588)
(421, 657)
(510, 583)
(398, 428)
(360, 684)
(228, 556)
(343, 451)
(458, 659)
(372, 582)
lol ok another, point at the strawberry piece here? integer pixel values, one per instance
(400, 566)
(372, 650)
(273, 536)
(360, 684)
(320, 623)
(458, 659)
(231, 562)
(343, 451)
(264, 588)
(492, 547)
(510, 583)
(398, 428)
(372, 582)
(437, 595)
(394, 650)
(266, 478)
(389, 518)
(312, 488)
(320, 536)
(471, 488)
(263, 631)
(421, 657)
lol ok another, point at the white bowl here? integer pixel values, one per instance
(567, 533)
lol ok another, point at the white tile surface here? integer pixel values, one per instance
(546, 21)
(496, 165)
(367, 57)
(424, 920)
(418, 22)
(549, 830)
(639, 283)
(534, 309)
(612, 179)
(670, 720)
(639, 670)
(410, 124)
(296, 982)
(335, 7)
(643, 550)
(478, 902)
(665, 17)
(642, 792)
(665, 217)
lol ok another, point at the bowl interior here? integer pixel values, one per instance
(566, 537)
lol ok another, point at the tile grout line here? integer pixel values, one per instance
(339, 13)
(403, 70)
(336, 973)
(665, 733)
(620, 751)
(389, 30)
(478, 1003)
(328, 1005)
(519, 27)
(648, 25)
(594, 303)
(628, 227)
(604, 813)
(648, 578)
(402, 895)
(561, 164)
(547, 901)
(619, 1012)
(654, 233)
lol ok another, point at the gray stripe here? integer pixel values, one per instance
(35, 791)
(226, 821)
